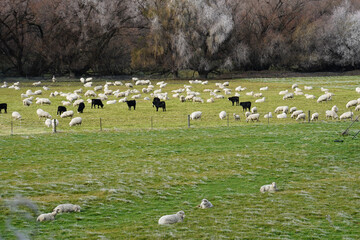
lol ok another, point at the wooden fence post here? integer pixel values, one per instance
(309, 116)
(54, 125)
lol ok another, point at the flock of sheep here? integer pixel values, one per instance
(164, 220)
(184, 94)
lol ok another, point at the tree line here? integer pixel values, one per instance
(77, 37)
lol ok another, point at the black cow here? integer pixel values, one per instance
(155, 100)
(81, 107)
(60, 110)
(234, 100)
(96, 102)
(160, 104)
(3, 106)
(245, 105)
(131, 103)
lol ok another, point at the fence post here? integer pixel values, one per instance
(309, 116)
(100, 125)
(188, 121)
(54, 125)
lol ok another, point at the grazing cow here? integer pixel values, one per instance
(81, 107)
(245, 105)
(60, 110)
(3, 106)
(155, 100)
(160, 104)
(96, 102)
(131, 103)
(234, 100)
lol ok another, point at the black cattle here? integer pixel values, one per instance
(234, 100)
(3, 106)
(96, 102)
(131, 103)
(81, 107)
(160, 104)
(60, 110)
(155, 100)
(245, 105)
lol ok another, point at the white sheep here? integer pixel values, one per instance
(301, 116)
(222, 115)
(171, 219)
(205, 204)
(195, 115)
(236, 116)
(247, 114)
(36, 83)
(268, 188)
(257, 95)
(77, 102)
(346, 115)
(90, 93)
(294, 86)
(268, 115)
(48, 122)
(283, 109)
(67, 207)
(351, 103)
(283, 92)
(111, 102)
(27, 102)
(98, 88)
(16, 115)
(42, 101)
(309, 96)
(264, 88)
(335, 108)
(42, 114)
(66, 103)
(331, 114)
(308, 87)
(261, 100)
(253, 117)
(281, 115)
(357, 108)
(315, 116)
(254, 110)
(75, 121)
(46, 217)
(88, 84)
(324, 97)
(293, 109)
(288, 96)
(69, 113)
(296, 113)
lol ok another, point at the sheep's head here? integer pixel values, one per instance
(273, 184)
(181, 214)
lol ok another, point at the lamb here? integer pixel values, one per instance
(268, 188)
(301, 116)
(253, 117)
(222, 115)
(16, 115)
(42, 114)
(195, 115)
(237, 117)
(351, 103)
(46, 217)
(171, 219)
(346, 115)
(75, 121)
(205, 204)
(335, 108)
(288, 96)
(331, 114)
(281, 116)
(314, 117)
(66, 114)
(67, 207)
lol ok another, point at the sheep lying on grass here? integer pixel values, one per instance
(268, 188)
(47, 216)
(205, 204)
(171, 219)
(67, 207)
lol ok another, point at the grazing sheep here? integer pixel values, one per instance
(335, 108)
(301, 116)
(357, 108)
(42, 101)
(111, 102)
(331, 114)
(324, 89)
(36, 83)
(75, 121)
(283, 109)
(257, 95)
(90, 93)
(253, 117)
(171, 219)
(195, 115)
(237, 117)
(324, 97)
(16, 115)
(67, 207)
(254, 110)
(264, 88)
(77, 102)
(27, 102)
(66, 103)
(268, 188)
(309, 96)
(205, 204)
(48, 122)
(66, 114)
(288, 96)
(351, 103)
(296, 113)
(42, 114)
(293, 109)
(346, 115)
(247, 114)
(210, 100)
(268, 115)
(283, 92)
(46, 217)
(222, 115)
(294, 86)
(261, 100)
(98, 88)
(281, 116)
(314, 117)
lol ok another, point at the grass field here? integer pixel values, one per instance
(126, 179)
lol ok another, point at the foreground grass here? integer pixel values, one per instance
(125, 181)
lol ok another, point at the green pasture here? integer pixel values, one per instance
(128, 175)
